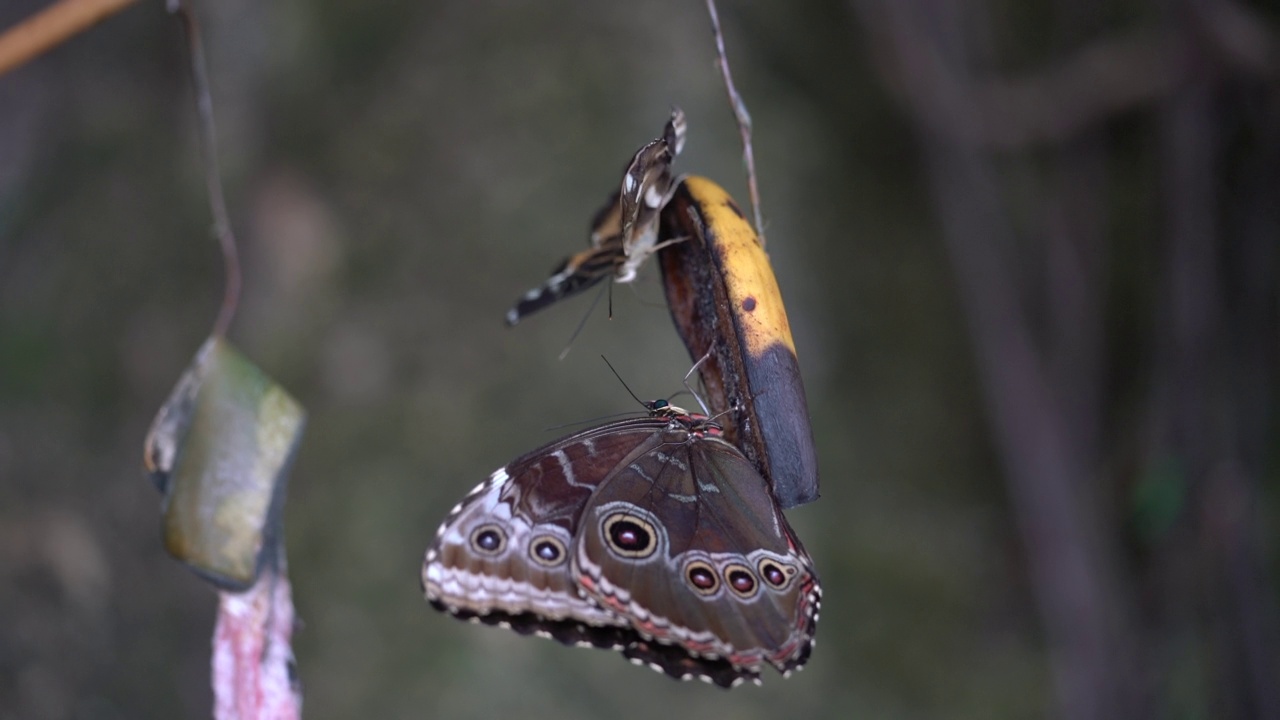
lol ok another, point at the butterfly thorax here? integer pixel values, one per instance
(696, 424)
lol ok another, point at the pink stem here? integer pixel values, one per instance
(253, 671)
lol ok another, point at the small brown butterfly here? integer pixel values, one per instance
(624, 233)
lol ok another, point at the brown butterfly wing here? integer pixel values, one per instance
(501, 556)
(688, 544)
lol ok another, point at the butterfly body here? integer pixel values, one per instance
(651, 535)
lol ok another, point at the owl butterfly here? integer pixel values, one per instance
(651, 535)
(624, 233)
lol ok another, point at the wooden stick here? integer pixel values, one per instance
(51, 26)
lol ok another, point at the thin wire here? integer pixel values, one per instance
(212, 174)
(743, 117)
(598, 418)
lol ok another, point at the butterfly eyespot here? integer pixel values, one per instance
(702, 577)
(740, 580)
(775, 574)
(548, 551)
(488, 540)
(629, 536)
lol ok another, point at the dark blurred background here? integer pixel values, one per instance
(1029, 252)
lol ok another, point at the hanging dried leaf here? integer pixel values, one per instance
(724, 299)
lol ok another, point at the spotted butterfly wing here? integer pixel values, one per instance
(651, 536)
(624, 233)
(682, 518)
(502, 553)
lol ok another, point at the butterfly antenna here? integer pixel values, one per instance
(624, 382)
(693, 392)
(588, 420)
(583, 322)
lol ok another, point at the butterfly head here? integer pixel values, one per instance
(696, 424)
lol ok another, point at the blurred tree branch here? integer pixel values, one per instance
(1037, 319)
(52, 26)
(1091, 85)
(1048, 471)
(1215, 339)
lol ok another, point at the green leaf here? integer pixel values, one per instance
(219, 449)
